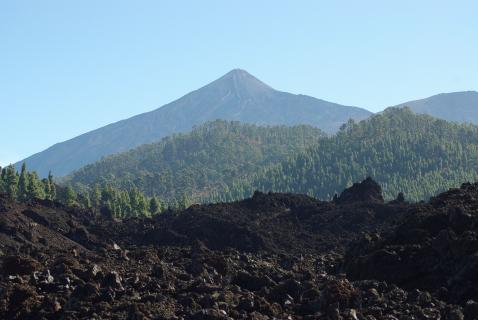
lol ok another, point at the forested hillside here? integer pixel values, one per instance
(199, 165)
(405, 152)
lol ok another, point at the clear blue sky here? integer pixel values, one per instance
(67, 67)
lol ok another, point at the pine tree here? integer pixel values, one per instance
(35, 189)
(70, 197)
(138, 203)
(96, 196)
(51, 187)
(11, 181)
(184, 202)
(154, 205)
(87, 200)
(22, 192)
(46, 188)
(2, 182)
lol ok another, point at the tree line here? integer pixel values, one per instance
(26, 185)
(103, 199)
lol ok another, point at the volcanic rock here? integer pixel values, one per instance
(13, 265)
(274, 256)
(365, 191)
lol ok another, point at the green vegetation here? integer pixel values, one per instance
(404, 152)
(200, 165)
(119, 203)
(25, 186)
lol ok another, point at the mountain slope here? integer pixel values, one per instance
(200, 163)
(235, 96)
(405, 152)
(456, 106)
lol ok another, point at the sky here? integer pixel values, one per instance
(68, 67)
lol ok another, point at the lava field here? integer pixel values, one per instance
(273, 256)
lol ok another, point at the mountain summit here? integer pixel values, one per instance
(241, 83)
(235, 96)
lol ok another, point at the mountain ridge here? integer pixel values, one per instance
(458, 106)
(236, 96)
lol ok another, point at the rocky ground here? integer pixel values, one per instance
(274, 256)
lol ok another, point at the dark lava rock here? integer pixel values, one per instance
(22, 301)
(86, 291)
(113, 280)
(13, 265)
(340, 291)
(273, 256)
(365, 191)
(435, 247)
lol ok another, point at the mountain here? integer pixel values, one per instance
(198, 164)
(405, 152)
(236, 96)
(456, 106)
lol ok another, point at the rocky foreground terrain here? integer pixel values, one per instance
(274, 256)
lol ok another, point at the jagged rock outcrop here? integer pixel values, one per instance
(365, 191)
(434, 248)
